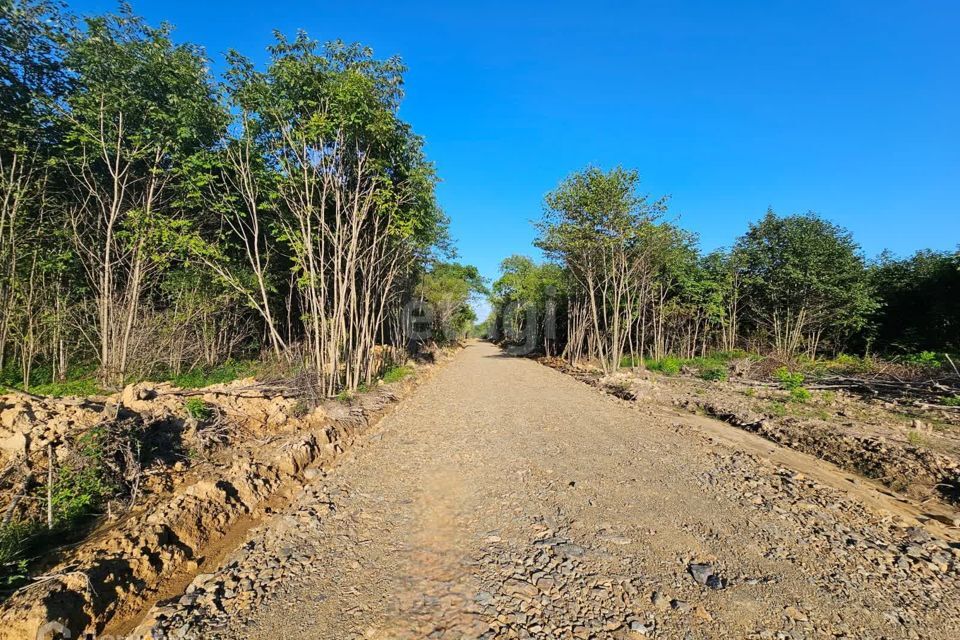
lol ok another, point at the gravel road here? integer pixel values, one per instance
(507, 500)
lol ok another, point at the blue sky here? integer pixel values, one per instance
(847, 108)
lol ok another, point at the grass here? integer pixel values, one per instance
(80, 381)
(711, 367)
(778, 409)
(200, 377)
(914, 438)
(396, 373)
(952, 402)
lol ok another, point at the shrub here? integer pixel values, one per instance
(197, 409)
(799, 394)
(714, 373)
(788, 380)
(952, 402)
(928, 359)
(77, 493)
(299, 409)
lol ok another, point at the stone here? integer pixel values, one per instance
(700, 572)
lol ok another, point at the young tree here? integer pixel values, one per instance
(598, 225)
(804, 278)
(449, 288)
(139, 108)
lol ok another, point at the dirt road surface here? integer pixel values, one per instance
(507, 500)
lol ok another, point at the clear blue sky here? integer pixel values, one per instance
(848, 108)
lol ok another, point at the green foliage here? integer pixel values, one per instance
(197, 409)
(793, 382)
(81, 387)
(449, 288)
(200, 377)
(929, 359)
(920, 302)
(789, 380)
(953, 401)
(802, 276)
(778, 409)
(714, 373)
(77, 493)
(914, 438)
(396, 373)
(16, 540)
(668, 366)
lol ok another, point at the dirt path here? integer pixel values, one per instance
(507, 500)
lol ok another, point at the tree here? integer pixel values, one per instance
(449, 288)
(919, 302)
(599, 226)
(804, 279)
(139, 108)
(525, 285)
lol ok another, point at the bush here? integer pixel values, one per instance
(714, 373)
(788, 380)
(793, 382)
(952, 402)
(929, 359)
(197, 409)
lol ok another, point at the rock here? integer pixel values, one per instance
(569, 549)
(638, 627)
(700, 572)
(795, 614)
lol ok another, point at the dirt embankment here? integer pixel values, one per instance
(218, 480)
(910, 450)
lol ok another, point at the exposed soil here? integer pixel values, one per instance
(192, 510)
(909, 448)
(508, 500)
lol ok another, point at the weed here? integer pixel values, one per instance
(200, 377)
(750, 392)
(914, 438)
(929, 359)
(16, 539)
(952, 402)
(397, 373)
(714, 373)
(299, 409)
(668, 366)
(197, 409)
(793, 382)
(778, 409)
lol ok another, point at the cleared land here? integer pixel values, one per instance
(508, 500)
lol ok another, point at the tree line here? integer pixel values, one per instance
(626, 283)
(155, 217)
